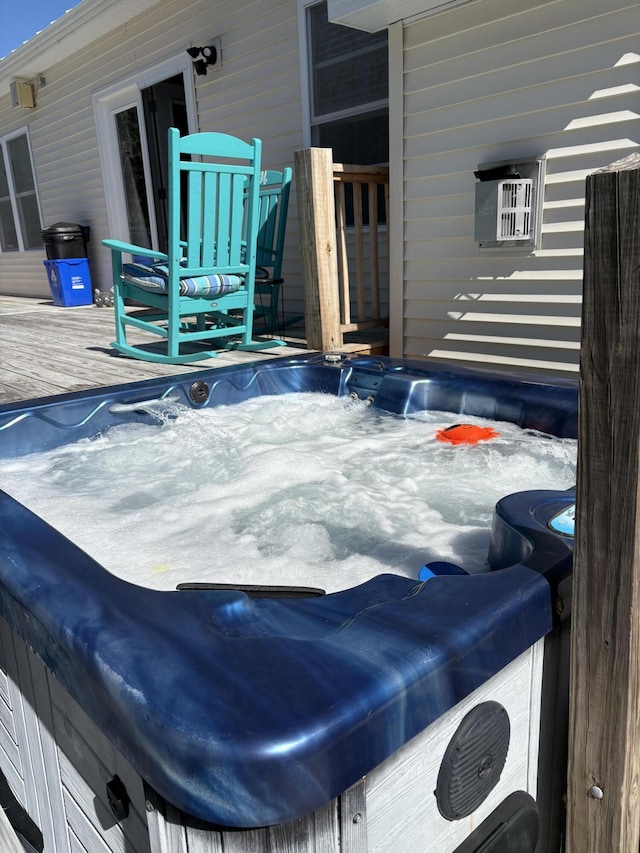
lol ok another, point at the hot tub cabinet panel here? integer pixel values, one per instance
(135, 720)
(70, 763)
(21, 748)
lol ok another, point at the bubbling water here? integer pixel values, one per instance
(301, 489)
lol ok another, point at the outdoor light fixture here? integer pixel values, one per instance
(203, 57)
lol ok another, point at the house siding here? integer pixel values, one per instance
(557, 80)
(255, 93)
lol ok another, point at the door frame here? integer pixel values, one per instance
(120, 96)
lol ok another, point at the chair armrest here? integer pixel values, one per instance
(119, 246)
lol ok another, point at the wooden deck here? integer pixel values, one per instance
(47, 350)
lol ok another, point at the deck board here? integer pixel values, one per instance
(46, 349)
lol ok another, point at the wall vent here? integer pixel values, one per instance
(515, 210)
(22, 94)
(507, 205)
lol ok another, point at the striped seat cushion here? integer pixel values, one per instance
(155, 277)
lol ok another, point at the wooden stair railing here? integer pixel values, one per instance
(343, 270)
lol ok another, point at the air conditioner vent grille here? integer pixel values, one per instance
(515, 209)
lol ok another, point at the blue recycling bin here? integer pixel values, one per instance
(69, 282)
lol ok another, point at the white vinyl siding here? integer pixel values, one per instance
(256, 92)
(488, 82)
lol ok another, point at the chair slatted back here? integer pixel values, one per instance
(272, 218)
(221, 200)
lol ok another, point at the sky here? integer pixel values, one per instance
(22, 19)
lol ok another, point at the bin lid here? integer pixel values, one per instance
(64, 228)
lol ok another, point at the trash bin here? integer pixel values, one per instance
(69, 282)
(67, 264)
(65, 240)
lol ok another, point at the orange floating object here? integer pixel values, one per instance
(466, 434)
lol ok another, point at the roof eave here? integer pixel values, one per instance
(84, 24)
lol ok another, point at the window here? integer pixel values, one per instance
(20, 223)
(348, 90)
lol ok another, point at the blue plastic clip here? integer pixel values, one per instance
(437, 568)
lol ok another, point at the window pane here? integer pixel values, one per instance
(4, 182)
(349, 68)
(21, 164)
(8, 235)
(25, 233)
(30, 221)
(128, 130)
(361, 139)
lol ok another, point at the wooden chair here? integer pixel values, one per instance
(272, 222)
(199, 296)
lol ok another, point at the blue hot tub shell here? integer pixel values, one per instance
(283, 703)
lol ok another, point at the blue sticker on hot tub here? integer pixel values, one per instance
(564, 521)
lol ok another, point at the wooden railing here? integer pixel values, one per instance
(344, 259)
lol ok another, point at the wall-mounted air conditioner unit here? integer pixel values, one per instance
(22, 94)
(508, 205)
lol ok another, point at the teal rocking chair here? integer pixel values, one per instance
(199, 296)
(272, 222)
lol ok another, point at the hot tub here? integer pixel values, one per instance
(396, 715)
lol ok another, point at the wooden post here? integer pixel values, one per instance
(604, 731)
(316, 210)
